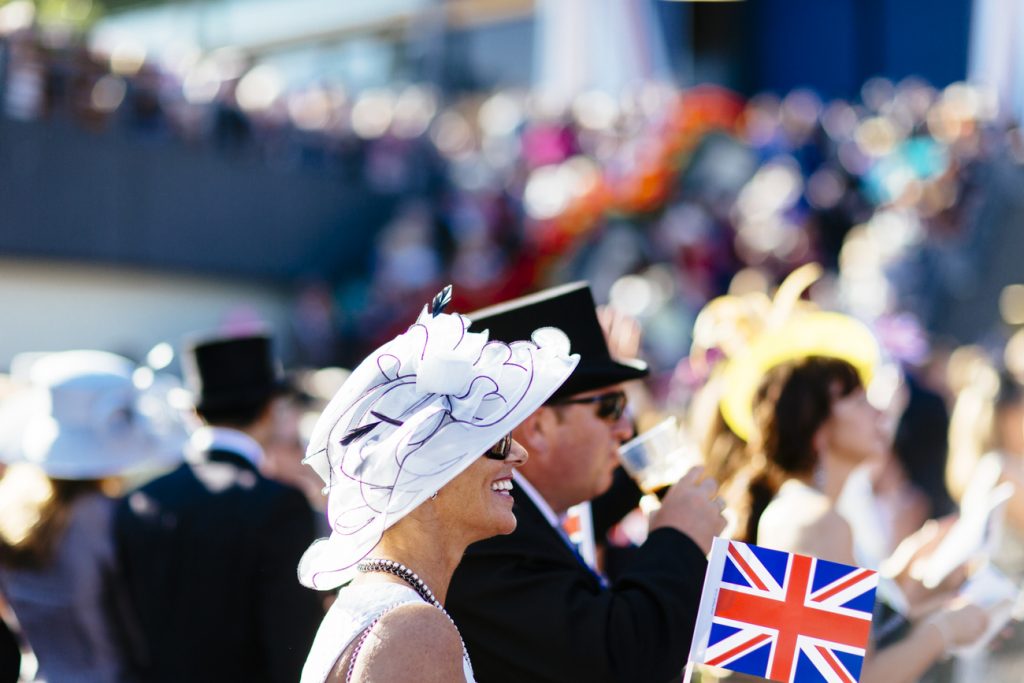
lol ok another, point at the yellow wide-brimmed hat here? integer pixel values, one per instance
(803, 334)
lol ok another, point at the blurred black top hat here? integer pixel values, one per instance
(571, 309)
(232, 372)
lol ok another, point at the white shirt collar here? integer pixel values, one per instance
(538, 500)
(208, 438)
(586, 550)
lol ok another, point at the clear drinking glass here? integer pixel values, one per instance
(659, 457)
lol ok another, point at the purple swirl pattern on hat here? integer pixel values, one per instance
(410, 418)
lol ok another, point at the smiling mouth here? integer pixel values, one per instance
(502, 487)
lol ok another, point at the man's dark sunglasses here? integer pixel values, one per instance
(610, 406)
(500, 450)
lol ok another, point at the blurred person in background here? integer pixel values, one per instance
(987, 447)
(10, 651)
(82, 427)
(24, 79)
(286, 447)
(315, 328)
(725, 328)
(724, 454)
(986, 432)
(209, 550)
(416, 452)
(921, 447)
(813, 426)
(295, 414)
(529, 606)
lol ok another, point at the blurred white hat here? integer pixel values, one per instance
(81, 415)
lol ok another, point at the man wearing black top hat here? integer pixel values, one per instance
(210, 550)
(527, 605)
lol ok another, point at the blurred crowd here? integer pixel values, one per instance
(685, 210)
(502, 192)
(220, 100)
(113, 481)
(670, 199)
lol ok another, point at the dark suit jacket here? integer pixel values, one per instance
(10, 655)
(209, 552)
(530, 611)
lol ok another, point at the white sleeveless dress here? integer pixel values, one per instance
(356, 608)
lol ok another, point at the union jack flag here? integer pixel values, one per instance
(578, 525)
(782, 616)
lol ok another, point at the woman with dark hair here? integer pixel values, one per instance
(813, 426)
(791, 408)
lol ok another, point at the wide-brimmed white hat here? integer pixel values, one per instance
(82, 415)
(410, 418)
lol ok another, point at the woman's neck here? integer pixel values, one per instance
(830, 476)
(433, 557)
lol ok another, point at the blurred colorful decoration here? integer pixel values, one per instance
(573, 188)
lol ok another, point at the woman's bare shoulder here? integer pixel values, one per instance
(411, 642)
(798, 509)
(828, 537)
(811, 528)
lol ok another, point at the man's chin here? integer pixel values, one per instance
(606, 484)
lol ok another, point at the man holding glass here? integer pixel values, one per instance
(529, 607)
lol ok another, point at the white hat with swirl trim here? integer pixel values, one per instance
(410, 418)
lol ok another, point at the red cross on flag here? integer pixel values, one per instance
(783, 616)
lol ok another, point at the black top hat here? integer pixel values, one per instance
(234, 372)
(571, 309)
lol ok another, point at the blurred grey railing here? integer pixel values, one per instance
(70, 193)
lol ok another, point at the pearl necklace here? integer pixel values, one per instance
(415, 582)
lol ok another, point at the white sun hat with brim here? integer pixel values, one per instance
(410, 418)
(83, 415)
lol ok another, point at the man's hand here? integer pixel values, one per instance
(692, 507)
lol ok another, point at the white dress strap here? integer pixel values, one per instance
(356, 608)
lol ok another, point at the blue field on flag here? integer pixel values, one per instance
(783, 616)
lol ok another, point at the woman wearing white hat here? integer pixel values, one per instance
(416, 454)
(82, 422)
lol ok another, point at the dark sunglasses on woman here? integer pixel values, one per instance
(500, 450)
